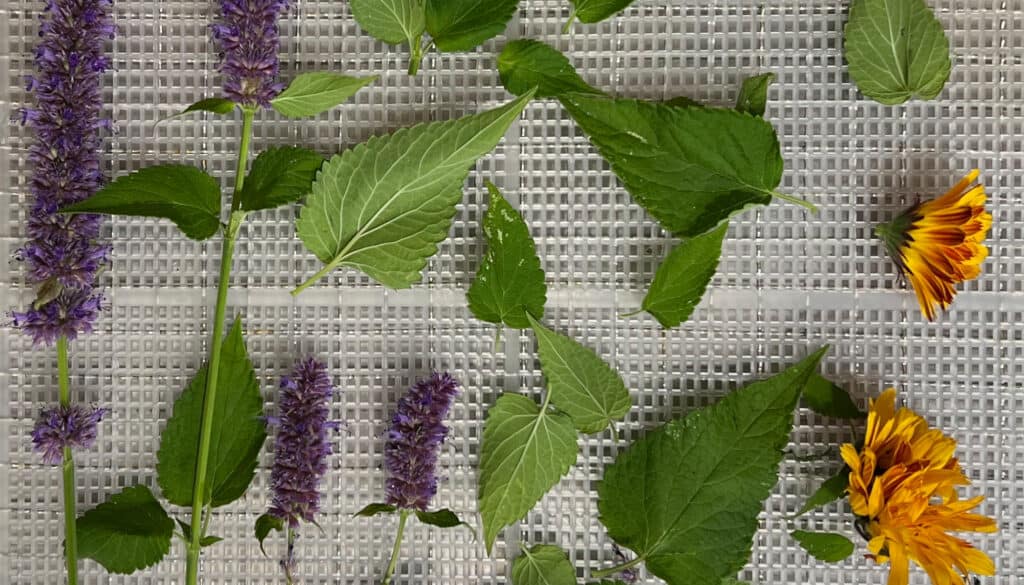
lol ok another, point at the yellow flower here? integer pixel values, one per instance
(939, 243)
(903, 489)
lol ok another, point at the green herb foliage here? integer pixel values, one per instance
(543, 564)
(683, 277)
(896, 49)
(686, 497)
(310, 94)
(526, 64)
(827, 398)
(753, 98)
(128, 532)
(591, 11)
(831, 490)
(824, 546)
(279, 176)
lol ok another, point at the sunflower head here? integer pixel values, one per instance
(938, 244)
(903, 488)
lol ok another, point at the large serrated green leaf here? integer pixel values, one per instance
(683, 276)
(237, 437)
(896, 49)
(462, 25)
(526, 450)
(392, 21)
(686, 497)
(310, 94)
(591, 11)
(526, 64)
(383, 206)
(691, 168)
(279, 176)
(580, 383)
(543, 564)
(510, 281)
(128, 532)
(183, 194)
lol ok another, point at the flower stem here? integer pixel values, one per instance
(70, 530)
(616, 569)
(212, 374)
(403, 517)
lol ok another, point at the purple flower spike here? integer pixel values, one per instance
(302, 446)
(63, 254)
(414, 441)
(249, 40)
(65, 426)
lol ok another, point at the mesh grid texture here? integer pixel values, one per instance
(788, 281)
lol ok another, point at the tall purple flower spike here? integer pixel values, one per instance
(302, 444)
(249, 41)
(64, 253)
(414, 441)
(65, 426)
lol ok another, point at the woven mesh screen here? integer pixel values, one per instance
(788, 281)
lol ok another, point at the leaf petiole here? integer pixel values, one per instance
(568, 23)
(791, 199)
(616, 569)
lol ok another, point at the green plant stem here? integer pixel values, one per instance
(416, 46)
(616, 569)
(789, 198)
(568, 23)
(68, 465)
(217, 340)
(403, 517)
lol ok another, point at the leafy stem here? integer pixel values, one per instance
(616, 569)
(68, 465)
(209, 397)
(403, 517)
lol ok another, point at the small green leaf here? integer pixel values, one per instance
(264, 524)
(831, 490)
(753, 98)
(375, 509)
(392, 21)
(824, 546)
(279, 176)
(591, 11)
(186, 529)
(510, 281)
(526, 64)
(462, 25)
(183, 194)
(683, 277)
(444, 518)
(213, 105)
(383, 206)
(209, 541)
(580, 383)
(237, 438)
(543, 564)
(313, 93)
(128, 532)
(525, 451)
(686, 497)
(827, 398)
(896, 49)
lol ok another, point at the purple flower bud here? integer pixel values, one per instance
(302, 445)
(249, 41)
(65, 426)
(414, 441)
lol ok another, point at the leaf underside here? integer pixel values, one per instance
(310, 94)
(683, 276)
(392, 21)
(128, 532)
(543, 564)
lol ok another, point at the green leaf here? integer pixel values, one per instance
(392, 21)
(733, 581)
(441, 518)
(264, 524)
(690, 168)
(686, 497)
(213, 105)
(827, 398)
(832, 489)
(313, 93)
(375, 509)
(753, 98)
(896, 49)
(183, 194)
(510, 281)
(824, 546)
(591, 11)
(683, 102)
(279, 176)
(128, 532)
(383, 206)
(608, 582)
(209, 541)
(580, 383)
(238, 431)
(526, 64)
(462, 25)
(525, 451)
(543, 564)
(683, 277)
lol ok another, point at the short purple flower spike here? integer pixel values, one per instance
(302, 444)
(249, 40)
(414, 441)
(65, 426)
(63, 254)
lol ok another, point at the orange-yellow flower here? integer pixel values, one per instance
(939, 243)
(903, 489)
